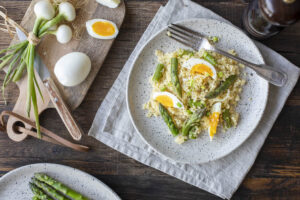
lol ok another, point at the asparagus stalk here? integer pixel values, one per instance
(39, 194)
(174, 76)
(52, 192)
(227, 119)
(158, 72)
(222, 87)
(209, 58)
(192, 121)
(60, 187)
(168, 119)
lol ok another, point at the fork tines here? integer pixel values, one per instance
(184, 35)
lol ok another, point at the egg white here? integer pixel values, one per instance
(194, 61)
(216, 108)
(109, 3)
(95, 35)
(172, 96)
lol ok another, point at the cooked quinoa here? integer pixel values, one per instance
(194, 89)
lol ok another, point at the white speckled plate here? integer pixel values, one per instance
(155, 132)
(14, 184)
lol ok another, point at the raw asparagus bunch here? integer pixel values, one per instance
(39, 194)
(45, 187)
(48, 189)
(20, 57)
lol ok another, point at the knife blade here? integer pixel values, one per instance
(39, 66)
(58, 102)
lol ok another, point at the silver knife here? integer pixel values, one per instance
(65, 114)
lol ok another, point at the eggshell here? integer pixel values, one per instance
(72, 69)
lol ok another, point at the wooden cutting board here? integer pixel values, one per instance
(50, 51)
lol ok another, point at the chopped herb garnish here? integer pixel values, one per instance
(207, 113)
(220, 74)
(186, 52)
(189, 112)
(179, 105)
(163, 89)
(191, 103)
(192, 83)
(200, 104)
(193, 137)
(214, 39)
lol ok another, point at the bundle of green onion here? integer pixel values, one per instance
(21, 56)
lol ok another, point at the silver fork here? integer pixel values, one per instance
(197, 41)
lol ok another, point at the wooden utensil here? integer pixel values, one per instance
(50, 51)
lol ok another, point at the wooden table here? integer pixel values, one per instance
(276, 172)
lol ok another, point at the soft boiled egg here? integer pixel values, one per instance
(200, 66)
(167, 99)
(102, 29)
(214, 119)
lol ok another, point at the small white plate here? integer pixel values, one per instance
(15, 184)
(251, 106)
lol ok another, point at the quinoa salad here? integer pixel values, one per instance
(195, 93)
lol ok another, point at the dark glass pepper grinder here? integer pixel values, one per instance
(265, 18)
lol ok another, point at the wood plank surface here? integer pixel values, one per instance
(275, 174)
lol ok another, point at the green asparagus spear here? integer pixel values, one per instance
(59, 187)
(39, 194)
(192, 133)
(227, 119)
(52, 192)
(192, 121)
(222, 87)
(174, 76)
(209, 58)
(158, 72)
(168, 119)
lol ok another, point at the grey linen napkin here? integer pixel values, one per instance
(222, 177)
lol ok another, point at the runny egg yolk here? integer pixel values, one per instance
(201, 69)
(165, 100)
(213, 123)
(103, 28)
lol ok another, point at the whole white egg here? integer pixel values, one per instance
(72, 69)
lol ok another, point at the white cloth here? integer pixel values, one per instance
(222, 177)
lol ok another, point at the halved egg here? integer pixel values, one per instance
(200, 66)
(167, 99)
(102, 29)
(214, 119)
(109, 3)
